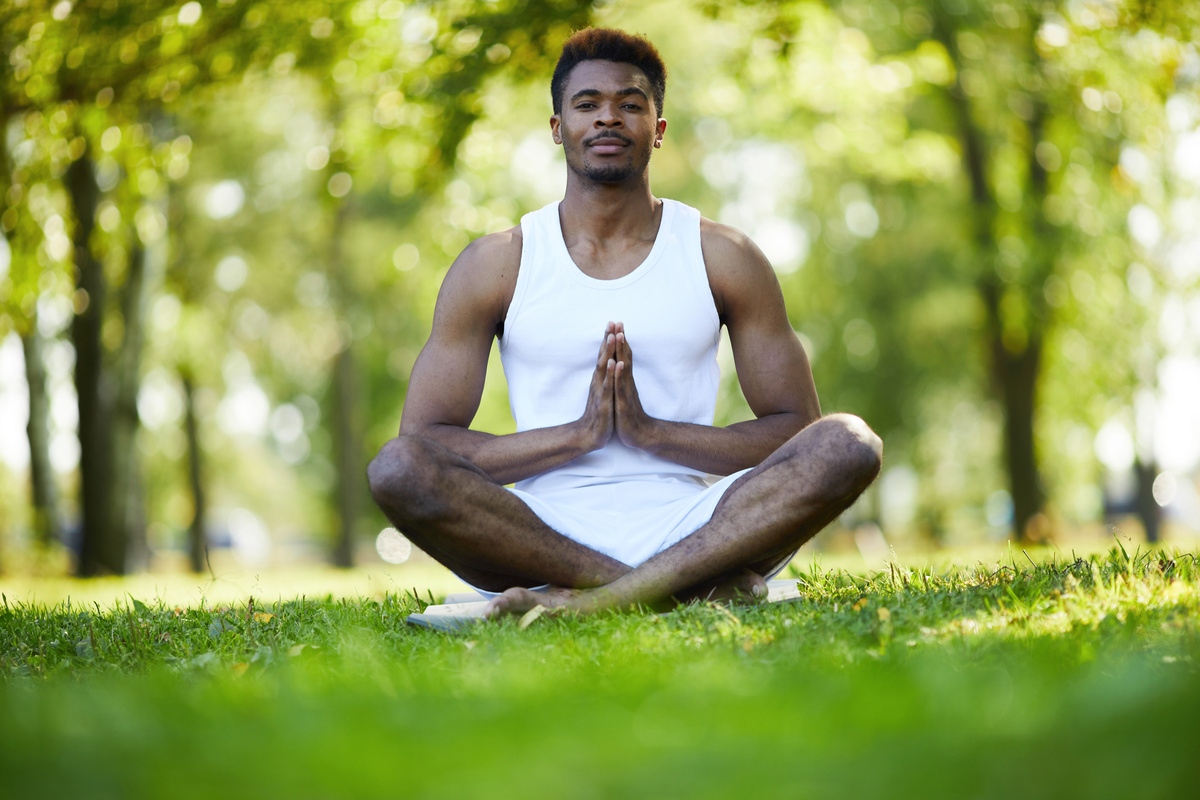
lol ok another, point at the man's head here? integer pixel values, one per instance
(606, 44)
(608, 92)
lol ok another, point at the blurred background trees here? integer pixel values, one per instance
(225, 223)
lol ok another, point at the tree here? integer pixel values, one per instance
(20, 309)
(1030, 96)
(82, 72)
(465, 47)
(151, 71)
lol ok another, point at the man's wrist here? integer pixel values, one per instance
(585, 438)
(647, 434)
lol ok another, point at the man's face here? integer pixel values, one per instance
(608, 125)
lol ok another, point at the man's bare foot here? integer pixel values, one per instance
(743, 586)
(518, 600)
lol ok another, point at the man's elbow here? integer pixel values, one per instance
(805, 414)
(423, 428)
(456, 438)
(786, 425)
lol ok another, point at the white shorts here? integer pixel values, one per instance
(631, 520)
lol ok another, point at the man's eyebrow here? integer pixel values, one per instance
(632, 90)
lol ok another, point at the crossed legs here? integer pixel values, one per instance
(457, 514)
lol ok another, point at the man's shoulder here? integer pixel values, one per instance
(490, 260)
(494, 249)
(737, 270)
(729, 251)
(485, 273)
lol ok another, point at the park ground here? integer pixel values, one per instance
(1039, 674)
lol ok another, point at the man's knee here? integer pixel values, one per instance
(401, 469)
(846, 443)
(858, 447)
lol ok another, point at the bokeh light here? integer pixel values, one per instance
(392, 546)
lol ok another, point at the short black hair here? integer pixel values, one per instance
(609, 44)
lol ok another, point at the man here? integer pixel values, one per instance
(608, 309)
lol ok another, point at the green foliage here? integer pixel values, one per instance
(961, 174)
(330, 125)
(370, 141)
(1071, 676)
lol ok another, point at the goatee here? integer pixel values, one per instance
(635, 163)
(609, 173)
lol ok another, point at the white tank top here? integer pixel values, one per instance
(554, 328)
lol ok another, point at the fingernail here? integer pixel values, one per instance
(759, 590)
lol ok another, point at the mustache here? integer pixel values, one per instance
(608, 135)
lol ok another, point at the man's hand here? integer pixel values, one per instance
(634, 426)
(598, 420)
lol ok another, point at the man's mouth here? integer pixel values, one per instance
(608, 144)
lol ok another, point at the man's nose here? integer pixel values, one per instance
(608, 116)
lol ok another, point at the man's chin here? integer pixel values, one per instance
(613, 174)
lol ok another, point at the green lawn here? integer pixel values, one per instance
(1074, 678)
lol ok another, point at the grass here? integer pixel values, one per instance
(1075, 677)
(231, 584)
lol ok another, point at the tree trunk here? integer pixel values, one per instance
(103, 545)
(47, 515)
(1014, 371)
(197, 538)
(1148, 509)
(1016, 376)
(348, 455)
(346, 437)
(1022, 370)
(197, 541)
(47, 521)
(128, 515)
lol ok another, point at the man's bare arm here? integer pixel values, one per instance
(772, 368)
(447, 380)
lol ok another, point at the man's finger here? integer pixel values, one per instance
(606, 380)
(610, 330)
(607, 349)
(624, 352)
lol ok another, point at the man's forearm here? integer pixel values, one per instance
(512, 457)
(719, 451)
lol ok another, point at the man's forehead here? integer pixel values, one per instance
(606, 75)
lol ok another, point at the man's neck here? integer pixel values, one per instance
(603, 212)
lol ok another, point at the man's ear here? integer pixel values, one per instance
(661, 125)
(555, 129)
